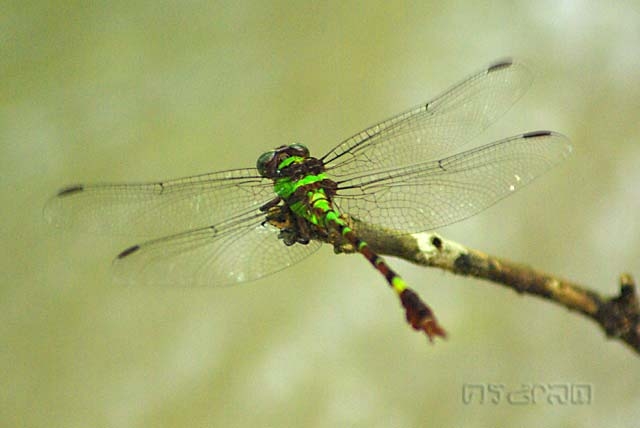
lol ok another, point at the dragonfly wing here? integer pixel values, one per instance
(434, 194)
(237, 250)
(433, 129)
(161, 208)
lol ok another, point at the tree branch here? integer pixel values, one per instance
(618, 316)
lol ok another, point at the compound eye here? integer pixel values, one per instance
(263, 162)
(299, 150)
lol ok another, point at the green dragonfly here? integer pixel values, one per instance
(401, 175)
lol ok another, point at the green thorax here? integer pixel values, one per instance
(285, 187)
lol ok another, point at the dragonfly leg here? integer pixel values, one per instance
(293, 229)
(271, 204)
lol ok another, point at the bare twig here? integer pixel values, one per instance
(619, 316)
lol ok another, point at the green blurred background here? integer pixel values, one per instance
(130, 91)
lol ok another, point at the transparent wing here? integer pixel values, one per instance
(434, 129)
(433, 194)
(237, 250)
(161, 208)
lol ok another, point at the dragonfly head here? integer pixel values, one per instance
(269, 164)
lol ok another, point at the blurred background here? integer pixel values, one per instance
(138, 91)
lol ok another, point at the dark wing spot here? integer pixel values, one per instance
(534, 134)
(500, 65)
(159, 187)
(71, 190)
(128, 251)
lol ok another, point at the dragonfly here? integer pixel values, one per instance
(403, 175)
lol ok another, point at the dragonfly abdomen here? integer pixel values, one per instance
(418, 314)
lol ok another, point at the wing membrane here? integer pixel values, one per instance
(434, 129)
(160, 208)
(237, 250)
(437, 193)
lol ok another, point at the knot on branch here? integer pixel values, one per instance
(620, 315)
